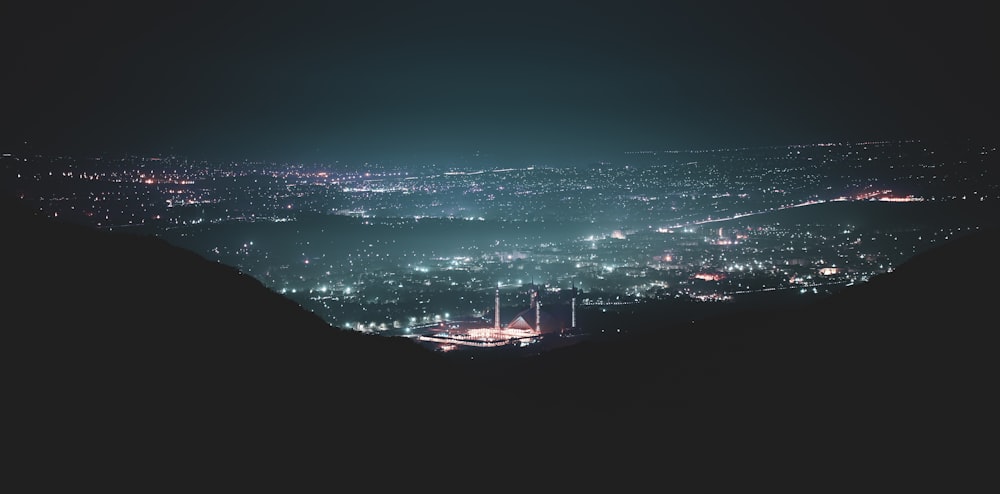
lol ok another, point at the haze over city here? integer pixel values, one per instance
(632, 152)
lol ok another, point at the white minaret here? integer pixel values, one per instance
(496, 310)
(538, 312)
(572, 312)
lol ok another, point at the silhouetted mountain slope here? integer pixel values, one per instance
(116, 293)
(896, 372)
(123, 350)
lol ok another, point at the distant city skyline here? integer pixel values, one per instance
(401, 251)
(555, 83)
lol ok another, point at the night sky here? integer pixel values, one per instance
(517, 82)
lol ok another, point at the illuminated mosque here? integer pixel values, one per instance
(527, 327)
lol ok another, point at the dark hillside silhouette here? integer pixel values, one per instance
(125, 350)
(130, 360)
(893, 377)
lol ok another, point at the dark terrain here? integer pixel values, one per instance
(134, 364)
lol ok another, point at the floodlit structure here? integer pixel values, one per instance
(527, 327)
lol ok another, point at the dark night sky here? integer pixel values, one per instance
(532, 82)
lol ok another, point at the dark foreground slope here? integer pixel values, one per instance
(132, 363)
(892, 381)
(125, 356)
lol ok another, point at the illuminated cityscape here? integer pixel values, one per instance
(650, 243)
(435, 250)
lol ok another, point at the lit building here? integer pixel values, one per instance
(527, 327)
